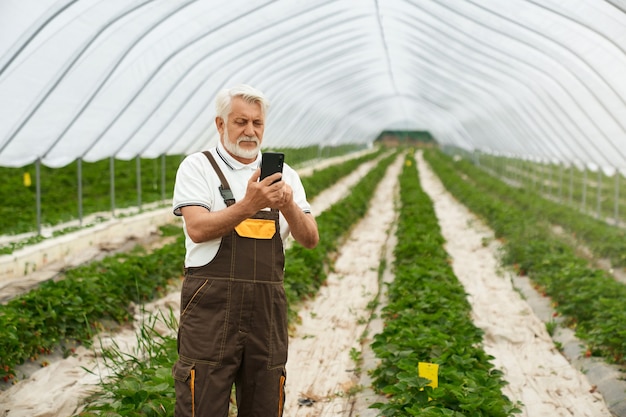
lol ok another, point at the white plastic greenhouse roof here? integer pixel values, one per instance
(91, 79)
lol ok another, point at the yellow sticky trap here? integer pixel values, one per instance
(27, 181)
(429, 371)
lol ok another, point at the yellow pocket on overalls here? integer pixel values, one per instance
(256, 228)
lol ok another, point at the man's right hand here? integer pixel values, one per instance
(268, 192)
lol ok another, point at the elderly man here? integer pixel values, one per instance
(233, 312)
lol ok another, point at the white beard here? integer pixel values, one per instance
(237, 150)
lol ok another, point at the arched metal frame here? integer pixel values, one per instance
(94, 79)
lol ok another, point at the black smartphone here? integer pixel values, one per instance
(271, 163)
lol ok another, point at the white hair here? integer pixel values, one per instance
(250, 94)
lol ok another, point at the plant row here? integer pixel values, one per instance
(428, 319)
(59, 190)
(323, 178)
(590, 299)
(92, 174)
(305, 269)
(570, 186)
(74, 308)
(603, 239)
(145, 387)
(295, 157)
(60, 187)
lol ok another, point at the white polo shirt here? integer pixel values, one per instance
(197, 184)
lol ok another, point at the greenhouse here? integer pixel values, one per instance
(464, 162)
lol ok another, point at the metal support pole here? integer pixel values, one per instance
(163, 178)
(571, 183)
(524, 177)
(560, 182)
(38, 194)
(79, 168)
(112, 181)
(549, 184)
(541, 179)
(599, 196)
(138, 171)
(584, 184)
(616, 203)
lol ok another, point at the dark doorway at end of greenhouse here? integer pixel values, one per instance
(406, 138)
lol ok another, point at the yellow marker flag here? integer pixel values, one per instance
(27, 180)
(429, 371)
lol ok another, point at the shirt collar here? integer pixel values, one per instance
(234, 164)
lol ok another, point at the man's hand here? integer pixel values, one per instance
(303, 226)
(268, 192)
(287, 197)
(203, 225)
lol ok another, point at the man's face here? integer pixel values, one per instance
(242, 134)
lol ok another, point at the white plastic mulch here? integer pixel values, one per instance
(321, 374)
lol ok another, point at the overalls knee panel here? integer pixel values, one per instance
(233, 325)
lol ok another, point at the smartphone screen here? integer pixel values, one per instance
(271, 162)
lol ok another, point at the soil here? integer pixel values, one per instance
(329, 355)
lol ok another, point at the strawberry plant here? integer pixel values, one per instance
(428, 319)
(322, 179)
(59, 190)
(296, 156)
(59, 187)
(605, 240)
(589, 298)
(75, 307)
(305, 269)
(141, 385)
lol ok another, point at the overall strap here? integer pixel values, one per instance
(225, 190)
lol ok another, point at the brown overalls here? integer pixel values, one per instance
(233, 324)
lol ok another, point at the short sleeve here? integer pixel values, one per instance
(192, 187)
(299, 194)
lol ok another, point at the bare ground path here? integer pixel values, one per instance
(537, 373)
(321, 365)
